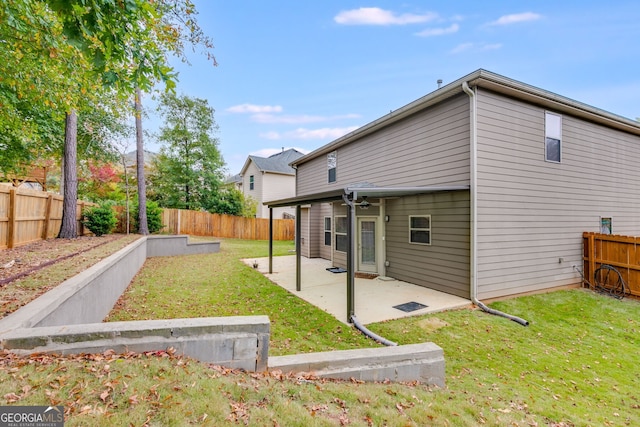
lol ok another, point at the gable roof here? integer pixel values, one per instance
(276, 163)
(494, 82)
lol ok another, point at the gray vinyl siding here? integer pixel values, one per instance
(305, 238)
(443, 265)
(532, 213)
(315, 230)
(325, 210)
(430, 147)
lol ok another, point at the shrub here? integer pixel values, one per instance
(154, 217)
(100, 219)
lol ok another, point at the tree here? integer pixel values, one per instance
(69, 227)
(189, 169)
(57, 54)
(127, 44)
(142, 192)
(39, 70)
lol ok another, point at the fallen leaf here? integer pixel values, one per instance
(11, 397)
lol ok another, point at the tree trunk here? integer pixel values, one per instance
(126, 189)
(142, 188)
(69, 227)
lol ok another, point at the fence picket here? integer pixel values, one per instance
(621, 252)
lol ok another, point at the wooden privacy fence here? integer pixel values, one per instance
(30, 215)
(621, 252)
(180, 221)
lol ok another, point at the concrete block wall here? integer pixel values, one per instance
(178, 245)
(422, 362)
(85, 298)
(237, 342)
(66, 320)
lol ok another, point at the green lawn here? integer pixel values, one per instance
(222, 285)
(577, 364)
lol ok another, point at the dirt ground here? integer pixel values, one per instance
(26, 259)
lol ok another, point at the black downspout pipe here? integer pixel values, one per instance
(351, 274)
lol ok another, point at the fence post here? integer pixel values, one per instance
(12, 218)
(47, 217)
(592, 256)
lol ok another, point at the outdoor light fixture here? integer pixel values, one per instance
(364, 204)
(386, 218)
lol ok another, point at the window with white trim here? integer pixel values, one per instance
(420, 229)
(553, 137)
(251, 182)
(327, 231)
(341, 233)
(332, 163)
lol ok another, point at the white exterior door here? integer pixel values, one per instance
(367, 239)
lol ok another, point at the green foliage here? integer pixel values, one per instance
(87, 56)
(188, 172)
(154, 217)
(249, 206)
(227, 202)
(100, 219)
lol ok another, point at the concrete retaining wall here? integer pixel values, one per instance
(423, 362)
(66, 320)
(89, 296)
(240, 342)
(85, 298)
(178, 245)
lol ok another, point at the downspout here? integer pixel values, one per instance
(349, 199)
(473, 268)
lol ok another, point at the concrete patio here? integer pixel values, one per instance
(374, 298)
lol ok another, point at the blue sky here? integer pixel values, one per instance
(302, 73)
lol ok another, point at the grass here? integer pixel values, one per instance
(222, 285)
(24, 290)
(577, 364)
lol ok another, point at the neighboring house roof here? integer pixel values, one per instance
(494, 82)
(277, 163)
(233, 179)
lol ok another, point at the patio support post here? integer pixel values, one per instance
(351, 220)
(298, 246)
(270, 240)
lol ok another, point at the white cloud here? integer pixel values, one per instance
(266, 152)
(302, 133)
(429, 32)
(516, 18)
(300, 119)
(377, 16)
(476, 47)
(252, 108)
(462, 48)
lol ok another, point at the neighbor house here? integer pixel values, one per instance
(481, 189)
(269, 178)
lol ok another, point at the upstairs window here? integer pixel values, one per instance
(553, 137)
(251, 182)
(332, 162)
(420, 229)
(327, 231)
